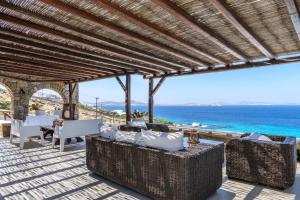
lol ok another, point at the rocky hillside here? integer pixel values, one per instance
(50, 102)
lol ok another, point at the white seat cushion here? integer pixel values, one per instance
(128, 136)
(166, 141)
(254, 136)
(108, 132)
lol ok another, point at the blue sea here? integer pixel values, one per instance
(278, 120)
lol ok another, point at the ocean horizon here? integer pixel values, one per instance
(266, 119)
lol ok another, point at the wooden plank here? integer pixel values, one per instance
(241, 27)
(121, 83)
(92, 35)
(124, 32)
(181, 15)
(84, 42)
(124, 14)
(294, 14)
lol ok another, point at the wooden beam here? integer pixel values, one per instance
(124, 32)
(74, 87)
(242, 28)
(29, 80)
(90, 34)
(160, 82)
(31, 67)
(43, 56)
(184, 17)
(128, 98)
(270, 62)
(124, 14)
(152, 92)
(150, 101)
(22, 70)
(85, 42)
(34, 65)
(71, 102)
(66, 50)
(121, 83)
(294, 15)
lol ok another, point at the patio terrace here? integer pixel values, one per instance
(38, 172)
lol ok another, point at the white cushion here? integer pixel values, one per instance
(166, 141)
(108, 132)
(255, 136)
(138, 123)
(128, 136)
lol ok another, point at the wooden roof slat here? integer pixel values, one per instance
(54, 74)
(67, 50)
(294, 14)
(35, 62)
(20, 69)
(241, 27)
(125, 33)
(44, 59)
(30, 80)
(55, 59)
(199, 28)
(90, 34)
(37, 67)
(115, 9)
(83, 41)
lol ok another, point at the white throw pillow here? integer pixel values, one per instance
(128, 136)
(255, 136)
(172, 141)
(108, 132)
(138, 123)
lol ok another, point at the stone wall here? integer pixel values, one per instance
(22, 91)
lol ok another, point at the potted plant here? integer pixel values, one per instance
(139, 115)
(37, 108)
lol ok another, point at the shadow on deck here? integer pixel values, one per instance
(38, 172)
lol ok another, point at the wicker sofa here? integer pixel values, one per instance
(191, 174)
(271, 163)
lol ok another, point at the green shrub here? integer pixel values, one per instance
(5, 105)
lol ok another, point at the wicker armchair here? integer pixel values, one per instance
(268, 163)
(152, 126)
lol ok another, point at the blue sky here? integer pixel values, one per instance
(279, 84)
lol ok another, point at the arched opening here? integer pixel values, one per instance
(6, 102)
(46, 101)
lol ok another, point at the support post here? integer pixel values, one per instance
(150, 101)
(152, 91)
(128, 98)
(71, 102)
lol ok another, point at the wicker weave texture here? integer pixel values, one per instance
(268, 163)
(191, 174)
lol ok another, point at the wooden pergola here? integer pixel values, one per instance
(83, 40)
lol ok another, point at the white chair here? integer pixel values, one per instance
(75, 128)
(18, 129)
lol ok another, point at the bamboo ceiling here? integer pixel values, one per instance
(78, 40)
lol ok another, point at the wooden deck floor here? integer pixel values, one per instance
(44, 173)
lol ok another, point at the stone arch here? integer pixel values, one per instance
(60, 88)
